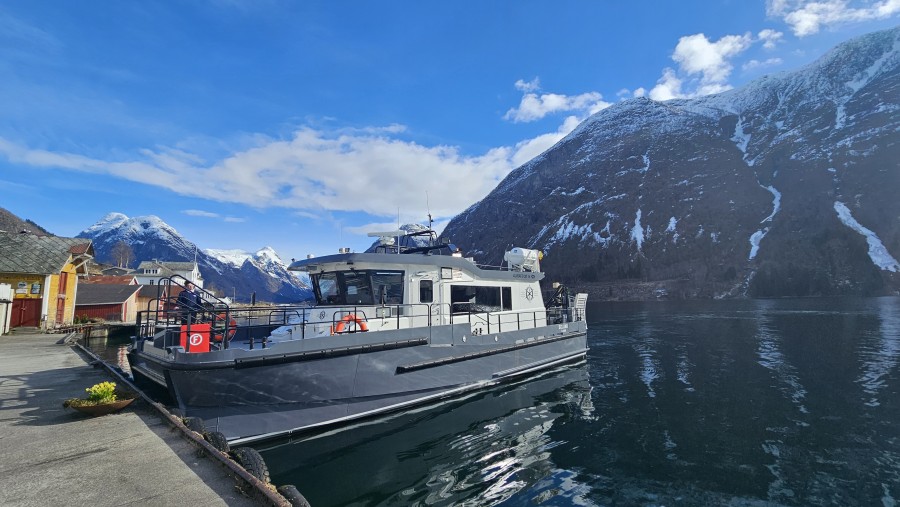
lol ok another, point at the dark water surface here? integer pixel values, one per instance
(765, 402)
(740, 403)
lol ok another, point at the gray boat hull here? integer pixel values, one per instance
(298, 385)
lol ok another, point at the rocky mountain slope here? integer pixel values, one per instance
(786, 187)
(9, 222)
(230, 272)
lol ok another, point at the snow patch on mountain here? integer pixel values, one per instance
(877, 251)
(109, 222)
(740, 138)
(755, 238)
(234, 258)
(673, 222)
(121, 225)
(637, 232)
(776, 203)
(876, 68)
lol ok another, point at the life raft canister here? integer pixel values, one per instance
(352, 317)
(230, 329)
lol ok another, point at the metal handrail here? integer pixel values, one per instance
(257, 322)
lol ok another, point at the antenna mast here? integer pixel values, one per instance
(428, 209)
(431, 237)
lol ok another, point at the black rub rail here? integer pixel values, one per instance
(474, 355)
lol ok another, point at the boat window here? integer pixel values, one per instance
(358, 287)
(426, 291)
(358, 291)
(507, 298)
(476, 299)
(388, 287)
(326, 287)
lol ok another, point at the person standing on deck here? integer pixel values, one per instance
(189, 303)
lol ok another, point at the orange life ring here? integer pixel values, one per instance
(230, 329)
(339, 327)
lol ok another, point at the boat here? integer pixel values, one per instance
(411, 322)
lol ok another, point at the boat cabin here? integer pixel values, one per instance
(424, 286)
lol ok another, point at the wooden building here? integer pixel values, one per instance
(109, 279)
(154, 297)
(43, 272)
(149, 297)
(109, 302)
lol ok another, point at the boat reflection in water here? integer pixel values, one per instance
(491, 446)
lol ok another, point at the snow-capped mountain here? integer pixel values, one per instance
(232, 272)
(787, 186)
(265, 260)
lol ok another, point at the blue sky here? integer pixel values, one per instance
(304, 125)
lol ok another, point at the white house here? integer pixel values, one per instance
(151, 272)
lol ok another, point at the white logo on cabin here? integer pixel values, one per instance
(196, 339)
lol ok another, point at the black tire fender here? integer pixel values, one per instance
(195, 424)
(290, 493)
(217, 439)
(252, 461)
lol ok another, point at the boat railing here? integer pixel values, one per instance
(491, 321)
(227, 326)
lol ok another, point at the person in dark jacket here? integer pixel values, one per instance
(189, 303)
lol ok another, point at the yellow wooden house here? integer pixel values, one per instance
(43, 272)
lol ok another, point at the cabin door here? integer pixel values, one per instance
(26, 313)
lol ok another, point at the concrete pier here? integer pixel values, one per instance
(55, 456)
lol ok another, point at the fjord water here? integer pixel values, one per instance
(759, 402)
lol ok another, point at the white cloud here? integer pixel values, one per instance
(535, 106)
(306, 214)
(528, 86)
(704, 66)
(200, 213)
(625, 93)
(668, 87)
(314, 170)
(770, 38)
(756, 64)
(696, 54)
(210, 214)
(807, 17)
(530, 148)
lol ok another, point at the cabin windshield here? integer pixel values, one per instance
(358, 287)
